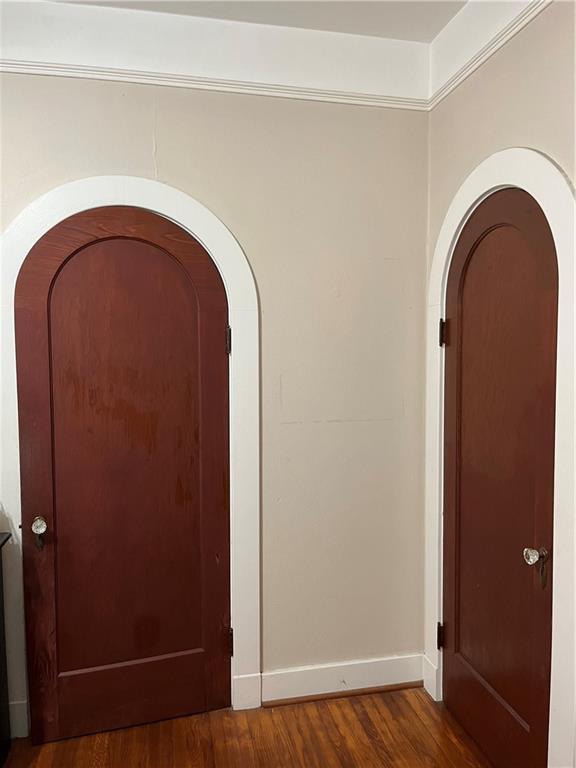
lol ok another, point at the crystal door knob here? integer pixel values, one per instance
(39, 526)
(532, 556)
(540, 556)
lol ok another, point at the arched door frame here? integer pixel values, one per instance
(536, 174)
(33, 222)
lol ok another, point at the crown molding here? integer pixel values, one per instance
(56, 39)
(212, 84)
(140, 46)
(471, 37)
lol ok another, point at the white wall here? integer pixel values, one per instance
(523, 96)
(329, 204)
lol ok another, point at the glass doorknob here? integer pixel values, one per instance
(540, 556)
(532, 556)
(39, 527)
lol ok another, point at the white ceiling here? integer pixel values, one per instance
(419, 20)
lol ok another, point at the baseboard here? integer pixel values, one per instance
(431, 676)
(343, 677)
(18, 719)
(247, 691)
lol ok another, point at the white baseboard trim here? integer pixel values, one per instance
(431, 677)
(297, 682)
(18, 719)
(247, 691)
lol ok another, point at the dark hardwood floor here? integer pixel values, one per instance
(399, 729)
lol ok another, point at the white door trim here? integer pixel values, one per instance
(16, 242)
(535, 173)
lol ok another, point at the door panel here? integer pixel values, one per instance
(499, 467)
(123, 398)
(121, 402)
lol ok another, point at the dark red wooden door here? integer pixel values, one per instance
(121, 327)
(499, 474)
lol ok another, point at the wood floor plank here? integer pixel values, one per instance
(388, 748)
(271, 745)
(330, 754)
(403, 729)
(304, 746)
(447, 731)
(364, 753)
(193, 746)
(406, 754)
(125, 747)
(71, 751)
(345, 755)
(233, 747)
(428, 748)
(93, 752)
(291, 745)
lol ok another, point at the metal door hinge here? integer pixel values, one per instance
(229, 340)
(231, 641)
(439, 636)
(443, 332)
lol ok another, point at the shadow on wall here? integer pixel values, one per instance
(7, 526)
(12, 584)
(12, 553)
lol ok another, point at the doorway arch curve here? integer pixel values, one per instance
(533, 172)
(17, 240)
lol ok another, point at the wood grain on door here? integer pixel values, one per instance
(121, 328)
(500, 380)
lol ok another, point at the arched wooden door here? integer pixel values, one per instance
(122, 361)
(500, 382)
